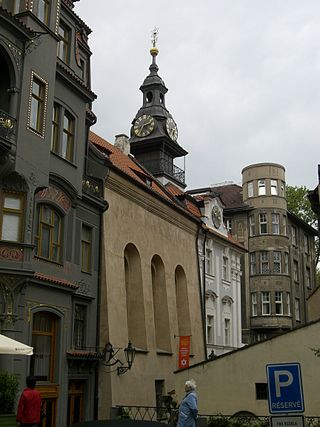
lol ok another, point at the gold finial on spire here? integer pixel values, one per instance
(154, 38)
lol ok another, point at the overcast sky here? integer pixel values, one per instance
(243, 79)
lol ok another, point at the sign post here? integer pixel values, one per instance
(285, 392)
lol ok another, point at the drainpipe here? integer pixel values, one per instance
(203, 293)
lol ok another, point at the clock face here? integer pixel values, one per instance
(216, 216)
(143, 125)
(172, 129)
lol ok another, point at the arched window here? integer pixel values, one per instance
(135, 300)
(182, 301)
(48, 239)
(160, 305)
(44, 333)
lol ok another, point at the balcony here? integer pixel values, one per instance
(164, 166)
(7, 128)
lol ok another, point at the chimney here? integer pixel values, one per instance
(122, 142)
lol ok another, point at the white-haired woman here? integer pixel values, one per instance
(188, 409)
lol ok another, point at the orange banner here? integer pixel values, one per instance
(184, 352)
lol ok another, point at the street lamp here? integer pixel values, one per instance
(130, 353)
(109, 354)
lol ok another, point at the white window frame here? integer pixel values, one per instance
(252, 225)
(209, 261)
(254, 304)
(265, 303)
(275, 219)
(286, 263)
(297, 309)
(227, 331)
(294, 235)
(210, 329)
(225, 268)
(263, 223)
(295, 271)
(288, 300)
(274, 187)
(261, 187)
(264, 262)
(253, 263)
(250, 189)
(278, 300)
(277, 262)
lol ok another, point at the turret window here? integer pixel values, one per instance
(264, 262)
(149, 97)
(274, 187)
(262, 187)
(263, 223)
(250, 189)
(279, 303)
(265, 303)
(275, 223)
(252, 225)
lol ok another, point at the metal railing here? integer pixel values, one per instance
(164, 166)
(169, 416)
(7, 125)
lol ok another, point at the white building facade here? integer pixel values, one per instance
(220, 271)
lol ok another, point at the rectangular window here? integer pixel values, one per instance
(274, 187)
(295, 271)
(49, 232)
(306, 243)
(86, 247)
(265, 303)
(264, 262)
(11, 217)
(284, 225)
(250, 189)
(308, 277)
(229, 225)
(38, 95)
(282, 189)
(277, 262)
(63, 133)
(209, 269)
(262, 187)
(294, 236)
(286, 263)
(261, 391)
(263, 223)
(44, 11)
(227, 331)
(275, 217)
(55, 129)
(279, 303)
(79, 327)
(252, 225)
(297, 308)
(225, 268)
(288, 304)
(210, 330)
(67, 137)
(254, 306)
(64, 43)
(253, 264)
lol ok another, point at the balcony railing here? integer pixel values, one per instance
(7, 126)
(165, 166)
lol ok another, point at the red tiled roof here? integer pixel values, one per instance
(55, 280)
(128, 165)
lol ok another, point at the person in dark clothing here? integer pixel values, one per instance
(29, 407)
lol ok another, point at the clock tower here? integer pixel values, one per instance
(154, 133)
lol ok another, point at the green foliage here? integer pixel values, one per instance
(8, 392)
(298, 203)
(237, 421)
(123, 414)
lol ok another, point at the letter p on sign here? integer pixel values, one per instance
(282, 379)
(285, 392)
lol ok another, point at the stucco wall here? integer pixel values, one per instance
(154, 228)
(227, 385)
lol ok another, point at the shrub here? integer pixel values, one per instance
(8, 392)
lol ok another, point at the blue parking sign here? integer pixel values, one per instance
(285, 388)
